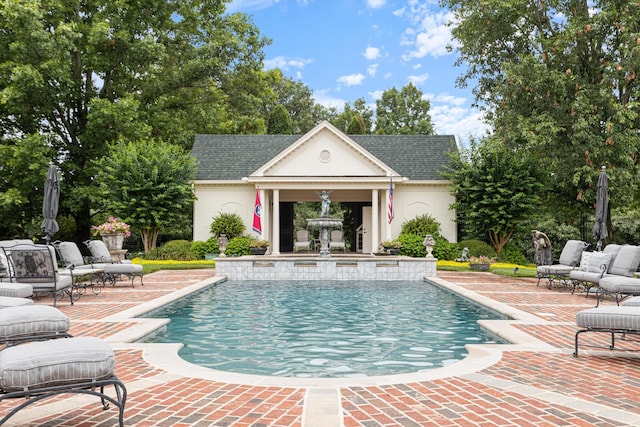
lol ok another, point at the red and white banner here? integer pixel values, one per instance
(390, 213)
(257, 222)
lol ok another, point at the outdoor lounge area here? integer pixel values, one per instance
(534, 381)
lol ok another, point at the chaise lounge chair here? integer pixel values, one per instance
(113, 269)
(336, 240)
(568, 261)
(41, 360)
(612, 320)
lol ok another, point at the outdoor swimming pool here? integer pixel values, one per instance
(324, 329)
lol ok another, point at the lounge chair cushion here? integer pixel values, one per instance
(30, 321)
(6, 302)
(626, 262)
(55, 362)
(585, 276)
(620, 285)
(554, 269)
(16, 290)
(631, 302)
(598, 262)
(572, 252)
(613, 317)
(100, 252)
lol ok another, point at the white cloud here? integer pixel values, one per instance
(371, 53)
(399, 12)
(322, 97)
(416, 80)
(375, 4)
(249, 5)
(431, 36)
(458, 121)
(376, 94)
(285, 63)
(351, 79)
(372, 70)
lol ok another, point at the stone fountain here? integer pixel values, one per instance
(325, 224)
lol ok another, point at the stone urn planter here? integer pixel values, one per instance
(258, 251)
(479, 267)
(113, 241)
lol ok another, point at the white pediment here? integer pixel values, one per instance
(324, 152)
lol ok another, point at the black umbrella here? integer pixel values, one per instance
(50, 204)
(600, 231)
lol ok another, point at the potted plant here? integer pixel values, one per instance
(480, 263)
(113, 232)
(392, 247)
(258, 247)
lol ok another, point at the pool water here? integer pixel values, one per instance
(324, 329)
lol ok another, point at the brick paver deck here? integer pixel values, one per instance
(525, 384)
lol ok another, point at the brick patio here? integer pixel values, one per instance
(533, 382)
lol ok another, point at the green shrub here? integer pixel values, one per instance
(412, 245)
(227, 223)
(179, 250)
(512, 254)
(477, 248)
(239, 246)
(199, 248)
(421, 226)
(446, 251)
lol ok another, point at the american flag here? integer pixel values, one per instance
(257, 223)
(390, 201)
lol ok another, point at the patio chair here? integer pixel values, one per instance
(623, 265)
(92, 274)
(336, 240)
(35, 266)
(113, 269)
(612, 320)
(568, 261)
(32, 323)
(302, 241)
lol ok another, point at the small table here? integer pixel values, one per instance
(93, 277)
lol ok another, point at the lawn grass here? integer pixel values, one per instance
(501, 268)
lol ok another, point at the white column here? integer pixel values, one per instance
(386, 217)
(275, 224)
(265, 215)
(375, 221)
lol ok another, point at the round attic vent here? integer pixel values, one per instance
(325, 156)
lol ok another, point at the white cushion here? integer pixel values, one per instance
(32, 320)
(598, 262)
(55, 362)
(14, 302)
(584, 261)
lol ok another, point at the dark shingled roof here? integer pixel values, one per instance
(231, 157)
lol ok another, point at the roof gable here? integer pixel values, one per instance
(325, 151)
(233, 157)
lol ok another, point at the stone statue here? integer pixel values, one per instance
(542, 246)
(326, 203)
(465, 255)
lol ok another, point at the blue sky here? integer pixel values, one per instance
(349, 49)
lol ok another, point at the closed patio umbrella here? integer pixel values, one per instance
(50, 204)
(600, 231)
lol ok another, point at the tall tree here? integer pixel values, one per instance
(559, 79)
(85, 73)
(359, 111)
(403, 112)
(496, 190)
(295, 96)
(147, 184)
(279, 121)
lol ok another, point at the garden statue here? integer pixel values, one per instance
(326, 203)
(429, 242)
(542, 246)
(465, 255)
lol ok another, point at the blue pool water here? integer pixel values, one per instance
(324, 329)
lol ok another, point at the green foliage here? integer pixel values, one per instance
(626, 225)
(512, 254)
(200, 248)
(229, 224)
(279, 121)
(477, 248)
(404, 112)
(421, 226)
(239, 246)
(356, 127)
(412, 245)
(445, 250)
(496, 190)
(147, 184)
(179, 250)
(561, 85)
